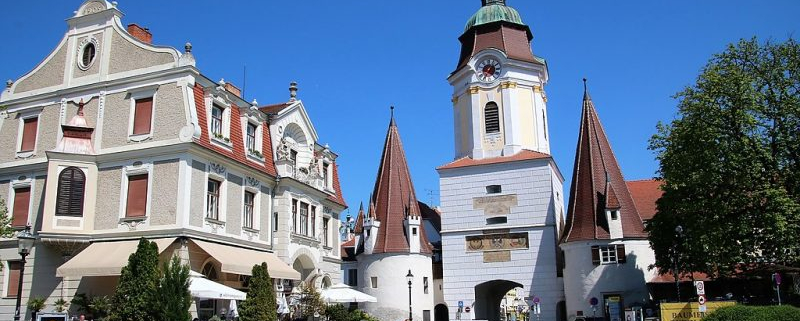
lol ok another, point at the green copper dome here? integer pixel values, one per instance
(494, 12)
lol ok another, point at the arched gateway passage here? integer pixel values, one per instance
(488, 296)
(440, 312)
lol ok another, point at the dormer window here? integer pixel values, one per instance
(325, 180)
(216, 121)
(614, 215)
(251, 136)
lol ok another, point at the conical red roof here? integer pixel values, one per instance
(597, 184)
(393, 198)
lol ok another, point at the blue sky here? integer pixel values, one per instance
(353, 59)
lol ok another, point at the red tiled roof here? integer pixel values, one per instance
(393, 197)
(432, 215)
(521, 156)
(337, 198)
(645, 193)
(275, 108)
(514, 40)
(596, 168)
(359, 220)
(237, 153)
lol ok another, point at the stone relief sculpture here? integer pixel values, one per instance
(284, 149)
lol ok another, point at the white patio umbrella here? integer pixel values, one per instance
(341, 293)
(203, 288)
(283, 306)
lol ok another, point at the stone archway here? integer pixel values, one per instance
(488, 296)
(305, 265)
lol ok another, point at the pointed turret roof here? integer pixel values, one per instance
(359, 220)
(597, 185)
(391, 197)
(77, 135)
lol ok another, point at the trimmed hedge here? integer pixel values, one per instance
(755, 313)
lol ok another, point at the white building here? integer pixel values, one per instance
(606, 251)
(390, 241)
(111, 139)
(501, 199)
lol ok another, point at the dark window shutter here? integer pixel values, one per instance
(142, 114)
(22, 201)
(492, 118)
(621, 253)
(596, 255)
(29, 134)
(137, 196)
(13, 278)
(71, 187)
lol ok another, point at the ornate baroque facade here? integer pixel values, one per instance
(112, 138)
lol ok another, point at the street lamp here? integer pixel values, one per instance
(409, 277)
(678, 234)
(25, 244)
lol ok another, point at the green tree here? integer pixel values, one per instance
(311, 302)
(5, 221)
(173, 297)
(138, 283)
(260, 303)
(730, 163)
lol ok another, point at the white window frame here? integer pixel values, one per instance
(23, 115)
(256, 207)
(12, 191)
(223, 195)
(608, 254)
(226, 120)
(140, 93)
(136, 168)
(328, 174)
(326, 231)
(259, 142)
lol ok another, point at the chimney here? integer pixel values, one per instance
(141, 33)
(233, 89)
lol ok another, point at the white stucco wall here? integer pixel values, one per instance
(534, 183)
(584, 280)
(392, 291)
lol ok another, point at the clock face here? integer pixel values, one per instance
(489, 70)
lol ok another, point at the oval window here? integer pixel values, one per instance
(88, 55)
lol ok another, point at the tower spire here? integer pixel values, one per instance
(586, 96)
(391, 116)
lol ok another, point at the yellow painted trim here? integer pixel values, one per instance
(454, 100)
(508, 84)
(474, 90)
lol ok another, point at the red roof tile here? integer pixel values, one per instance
(513, 39)
(237, 153)
(645, 193)
(274, 109)
(393, 198)
(337, 198)
(521, 156)
(596, 168)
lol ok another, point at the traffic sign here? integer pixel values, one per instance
(593, 301)
(701, 288)
(701, 299)
(777, 278)
(460, 304)
(536, 300)
(466, 309)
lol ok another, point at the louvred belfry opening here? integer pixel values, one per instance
(71, 189)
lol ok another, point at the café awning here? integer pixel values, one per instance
(241, 261)
(105, 258)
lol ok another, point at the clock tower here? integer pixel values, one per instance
(499, 104)
(501, 198)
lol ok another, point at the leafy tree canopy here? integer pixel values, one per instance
(138, 283)
(730, 162)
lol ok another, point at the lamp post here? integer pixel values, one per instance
(25, 244)
(409, 277)
(678, 235)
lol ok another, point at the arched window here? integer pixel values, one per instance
(491, 115)
(71, 188)
(210, 271)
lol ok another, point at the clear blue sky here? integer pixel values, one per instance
(353, 59)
